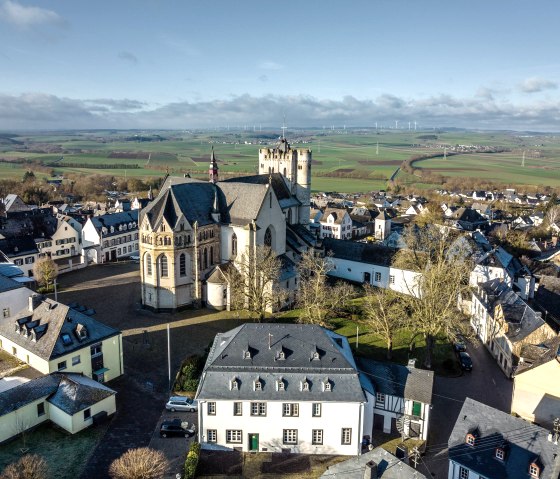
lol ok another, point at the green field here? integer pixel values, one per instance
(345, 161)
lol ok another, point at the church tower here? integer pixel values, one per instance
(295, 166)
(213, 169)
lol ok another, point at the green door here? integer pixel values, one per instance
(253, 442)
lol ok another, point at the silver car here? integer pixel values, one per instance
(181, 403)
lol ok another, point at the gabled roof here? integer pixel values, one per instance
(401, 381)
(70, 392)
(7, 284)
(371, 253)
(388, 467)
(252, 351)
(277, 182)
(523, 443)
(51, 320)
(13, 247)
(115, 220)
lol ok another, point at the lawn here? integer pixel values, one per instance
(65, 454)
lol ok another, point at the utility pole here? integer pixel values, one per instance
(415, 456)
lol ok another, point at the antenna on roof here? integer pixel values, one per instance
(284, 128)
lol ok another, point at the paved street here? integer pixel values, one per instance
(113, 290)
(486, 383)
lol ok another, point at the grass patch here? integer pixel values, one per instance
(65, 454)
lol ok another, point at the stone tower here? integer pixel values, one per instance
(295, 167)
(213, 169)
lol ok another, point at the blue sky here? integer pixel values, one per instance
(176, 64)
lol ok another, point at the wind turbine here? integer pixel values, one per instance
(523, 160)
(445, 153)
(414, 126)
(377, 149)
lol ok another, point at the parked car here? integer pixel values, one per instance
(181, 403)
(173, 427)
(135, 258)
(465, 360)
(459, 346)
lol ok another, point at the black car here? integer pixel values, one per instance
(465, 360)
(172, 428)
(459, 346)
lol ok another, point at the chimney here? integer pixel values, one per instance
(370, 471)
(34, 301)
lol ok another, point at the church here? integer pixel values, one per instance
(194, 229)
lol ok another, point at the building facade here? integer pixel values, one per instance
(283, 388)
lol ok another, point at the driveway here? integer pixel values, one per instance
(486, 383)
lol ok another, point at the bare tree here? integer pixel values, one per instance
(383, 314)
(30, 466)
(45, 271)
(141, 463)
(444, 262)
(552, 215)
(318, 300)
(254, 281)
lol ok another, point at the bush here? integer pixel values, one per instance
(191, 462)
(30, 466)
(141, 463)
(189, 374)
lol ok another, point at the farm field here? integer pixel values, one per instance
(344, 160)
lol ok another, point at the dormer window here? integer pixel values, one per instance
(258, 385)
(470, 439)
(327, 385)
(234, 384)
(315, 356)
(247, 354)
(81, 332)
(305, 385)
(281, 355)
(280, 385)
(500, 453)
(534, 470)
(112, 229)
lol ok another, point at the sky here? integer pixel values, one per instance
(156, 64)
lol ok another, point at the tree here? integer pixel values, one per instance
(383, 314)
(45, 271)
(30, 466)
(141, 463)
(28, 176)
(552, 215)
(253, 281)
(318, 300)
(444, 262)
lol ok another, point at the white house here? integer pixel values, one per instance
(283, 388)
(66, 241)
(14, 297)
(336, 223)
(504, 323)
(488, 443)
(369, 263)
(71, 401)
(50, 337)
(403, 397)
(20, 251)
(111, 236)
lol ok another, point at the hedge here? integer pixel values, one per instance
(191, 462)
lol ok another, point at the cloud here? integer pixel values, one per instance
(38, 110)
(25, 17)
(536, 85)
(268, 65)
(128, 57)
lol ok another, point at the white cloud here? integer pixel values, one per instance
(37, 110)
(23, 16)
(536, 85)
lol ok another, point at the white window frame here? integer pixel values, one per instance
(258, 409)
(317, 437)
(234, 436)
(290, 436)
(290, 409)
(211, 435)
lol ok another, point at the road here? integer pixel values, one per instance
(486, 383)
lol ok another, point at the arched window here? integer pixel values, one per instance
(285, 172)
(268, 237)
(234, 244)
(211, 255)
(205, 258)
(182, 265)
(148, 263)
(163, 266)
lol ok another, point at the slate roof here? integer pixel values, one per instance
(337, 213)
(388, 467)
(76, 393)
(535, 355)
(278, 183)
(70, 392)
(521, 318)
(371, 253)
(236, 202)
(523, 442)
(115, 220)
(7, 284)
(14, 247)
(334, 362)
(401, 381)
(51, 320)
